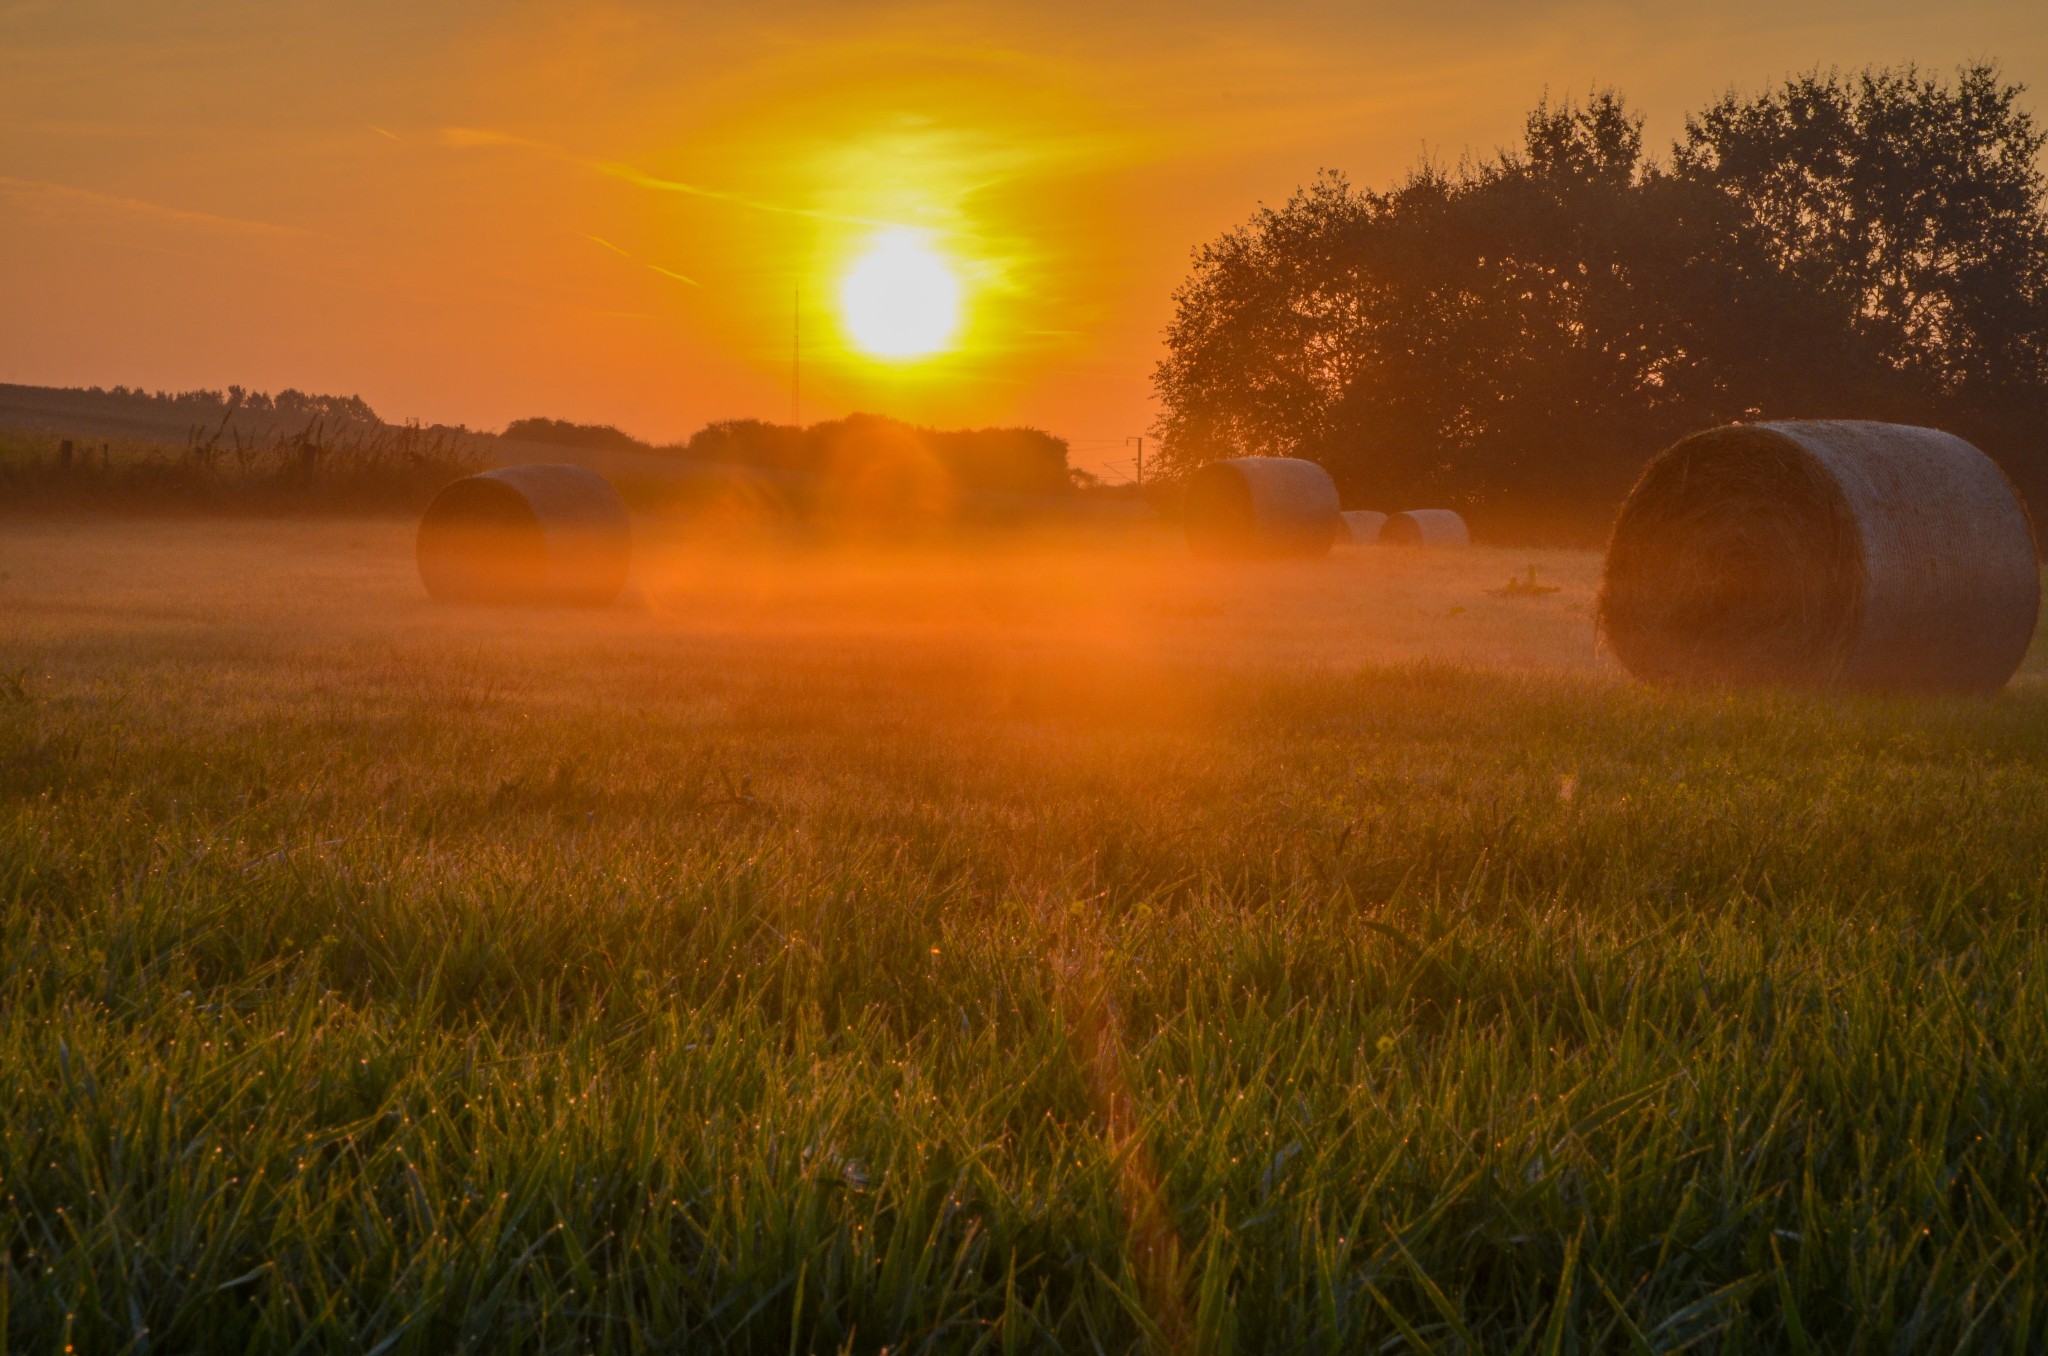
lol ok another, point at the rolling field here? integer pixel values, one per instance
(1036, 947)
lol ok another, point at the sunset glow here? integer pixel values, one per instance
(517, 210)
(900, 299)
(1178, 676)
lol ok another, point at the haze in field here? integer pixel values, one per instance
(616, 212)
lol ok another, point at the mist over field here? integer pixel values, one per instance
(1053, 943)
(876, 678)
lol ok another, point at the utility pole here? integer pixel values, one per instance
(1140, 441)
(796, 356)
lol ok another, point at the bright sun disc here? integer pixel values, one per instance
(900, 300)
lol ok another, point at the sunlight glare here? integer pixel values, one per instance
(900, 300)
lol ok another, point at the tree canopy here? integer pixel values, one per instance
(1515, 337)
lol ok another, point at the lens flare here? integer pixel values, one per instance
(900, 300)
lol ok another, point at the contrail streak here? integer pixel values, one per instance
(465, 138)
(664, 272)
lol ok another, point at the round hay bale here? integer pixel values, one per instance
(1362, 526)
(1426, 527)
(551, 535)
(1261, 506)
(1834, 554)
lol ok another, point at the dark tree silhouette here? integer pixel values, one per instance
(1516, 337)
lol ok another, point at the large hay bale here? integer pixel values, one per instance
(1261, 506)
(556, 535)
(1362, 526)
(1426, 527)
(1827, 554)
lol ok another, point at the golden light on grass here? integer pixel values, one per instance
(901, 298)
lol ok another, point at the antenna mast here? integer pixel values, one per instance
(796, 356)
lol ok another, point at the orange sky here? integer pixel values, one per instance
(480, 210)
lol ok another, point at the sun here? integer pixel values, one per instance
(900, 299)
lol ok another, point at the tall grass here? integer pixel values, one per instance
(351, 470)
(586, 990)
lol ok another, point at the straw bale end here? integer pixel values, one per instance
(542, 534)
(1830, 554)
(1262, 506)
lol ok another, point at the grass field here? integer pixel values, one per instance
(1032, 948)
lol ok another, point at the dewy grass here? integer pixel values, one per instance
(505, 991)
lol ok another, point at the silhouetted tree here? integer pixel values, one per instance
(1515, 338)
(988, 461)
(564, 433)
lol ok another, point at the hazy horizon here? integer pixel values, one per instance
(475, 214)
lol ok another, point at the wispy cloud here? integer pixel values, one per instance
(469, 138)
(623, 254)
(66, 194)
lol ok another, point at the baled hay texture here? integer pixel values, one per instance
(1426, 527)
(552, 535)
(1363, 526)
(1261, 506)
(1822, 554)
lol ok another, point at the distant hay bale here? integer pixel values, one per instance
(1262, 506)
(1828, 554)
(555, 535)
(1426, 527)
(1362, 527)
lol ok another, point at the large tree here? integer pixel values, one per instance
(1516, 337)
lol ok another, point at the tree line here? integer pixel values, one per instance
(76, 448)
(1516, 336)
(865, 447)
